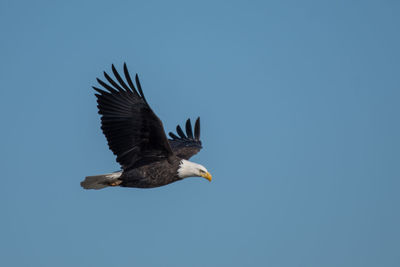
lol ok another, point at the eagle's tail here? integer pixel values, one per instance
(101, 181)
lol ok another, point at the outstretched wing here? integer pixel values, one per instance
(185, 146)
(134, 133)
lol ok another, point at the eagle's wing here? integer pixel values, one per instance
(185, 146)
(134, 133)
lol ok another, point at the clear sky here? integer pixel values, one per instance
(299, 102)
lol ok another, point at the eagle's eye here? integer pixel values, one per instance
(202, 172)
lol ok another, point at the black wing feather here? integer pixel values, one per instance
(139, 87)
(129, 80)
(173, 136)
(180, 132)
(197, 129)
(186, 146)
(134, 132)
(189, 132)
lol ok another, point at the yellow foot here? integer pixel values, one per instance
(115, 183)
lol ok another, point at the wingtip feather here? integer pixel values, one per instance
(128, 79)
(173, 136)
(139, 87)
(189, 131)
(197, 129)
(180, 132)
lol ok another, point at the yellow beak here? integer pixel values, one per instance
(207, 175)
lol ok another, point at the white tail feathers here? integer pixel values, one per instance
(100, 181)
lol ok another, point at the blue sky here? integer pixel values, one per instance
(299, 103)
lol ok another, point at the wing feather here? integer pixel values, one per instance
(197, 130)
(129, 80)
(189, 132)
(139, 87)
(180, 132)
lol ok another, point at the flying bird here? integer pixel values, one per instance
(136, 136)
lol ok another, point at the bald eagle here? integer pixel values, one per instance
(136, 136)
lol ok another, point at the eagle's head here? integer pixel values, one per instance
(191, 169)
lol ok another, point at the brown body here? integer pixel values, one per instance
(152, 175)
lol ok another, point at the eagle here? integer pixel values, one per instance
(136, 136)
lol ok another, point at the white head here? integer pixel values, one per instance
(191, 169)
